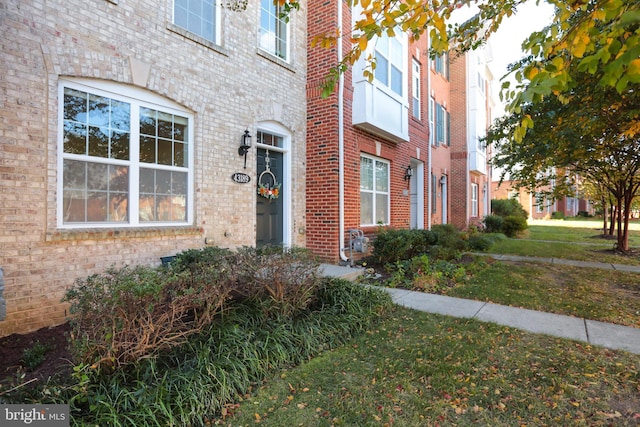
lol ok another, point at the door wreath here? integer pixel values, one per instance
(268, 190)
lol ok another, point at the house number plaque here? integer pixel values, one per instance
(240, 178)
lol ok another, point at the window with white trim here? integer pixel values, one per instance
(415, 75)
(374, 191)
(200, 17)
(125, 159)
(474, 200)
(390, 53)
(442, 125)
(274, 30)
(432, 129)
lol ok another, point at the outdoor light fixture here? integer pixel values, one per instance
(245, 144)
(408, 173)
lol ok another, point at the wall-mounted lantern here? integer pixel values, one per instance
(408, 173)
(245, 144)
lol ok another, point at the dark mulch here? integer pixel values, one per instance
(56, 361)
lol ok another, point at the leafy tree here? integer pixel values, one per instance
(602, 37)
(590, 133)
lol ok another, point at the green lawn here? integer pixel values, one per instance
(570, 242)
(604, 295)
(419, 369)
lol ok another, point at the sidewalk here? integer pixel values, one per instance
(607, 335)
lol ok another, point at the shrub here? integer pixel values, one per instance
(514, 225)
(391, 244)
(508, 207)
(191, 383)
(493, 223)
(557, 215)
(125, 315)
(480, 242)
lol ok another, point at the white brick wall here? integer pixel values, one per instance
(228, 89)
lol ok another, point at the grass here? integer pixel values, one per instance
(419, 369)
(571, 242)
(604, 295)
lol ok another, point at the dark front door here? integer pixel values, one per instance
(269, 211)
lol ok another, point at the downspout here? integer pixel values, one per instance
(343, 257)
(429, 173)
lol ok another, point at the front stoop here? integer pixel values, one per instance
(342, 272)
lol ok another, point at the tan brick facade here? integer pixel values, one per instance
(228, 88)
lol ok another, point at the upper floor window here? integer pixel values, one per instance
(415, 73)
(442, 125)
(432, 120)
(374, 191)
(274, 34)
(124, 160)
(441, 65)
(481, 83)
(199, 17)
(389, 63)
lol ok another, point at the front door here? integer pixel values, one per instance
(269, 210)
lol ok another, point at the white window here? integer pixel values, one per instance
(274, 34)
(474, 200)
(125, 158)
(390, 63)
(415, 71)
(432, 120)
(442, 125)
(200, 17)
(374, 191)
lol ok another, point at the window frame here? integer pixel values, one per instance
(432, 120)
(374, 192)
(200, 38)
(400, 65)
(279, 24)
(136, 98)
(416, 89)
(474, 199)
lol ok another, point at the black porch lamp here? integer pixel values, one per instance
(408, 173)
(245, 144)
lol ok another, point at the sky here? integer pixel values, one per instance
(507, 41)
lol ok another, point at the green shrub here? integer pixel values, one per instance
(480, 242)
(191, 383)
(514, 225)
(557, 215)
(450, 242)
(33, 356)
(508, 207)
(396, 244)
(493, 224)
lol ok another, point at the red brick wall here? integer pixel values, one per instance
(458, 181)
(323, 147)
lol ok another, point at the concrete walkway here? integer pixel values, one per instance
(593, 332)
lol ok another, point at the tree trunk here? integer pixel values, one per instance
(612, 220)
(604, 216)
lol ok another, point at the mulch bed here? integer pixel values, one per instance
(57, 359)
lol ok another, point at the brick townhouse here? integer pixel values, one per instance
(471, 115)
(372, 160)
(121, 127)
(367, 145)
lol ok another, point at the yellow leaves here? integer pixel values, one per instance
(580, 43)
(633, 69)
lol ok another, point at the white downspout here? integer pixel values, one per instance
(429, 173)
(343, 257)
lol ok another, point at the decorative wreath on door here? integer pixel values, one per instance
(268, 190)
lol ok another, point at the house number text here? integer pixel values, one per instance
(240, 178)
